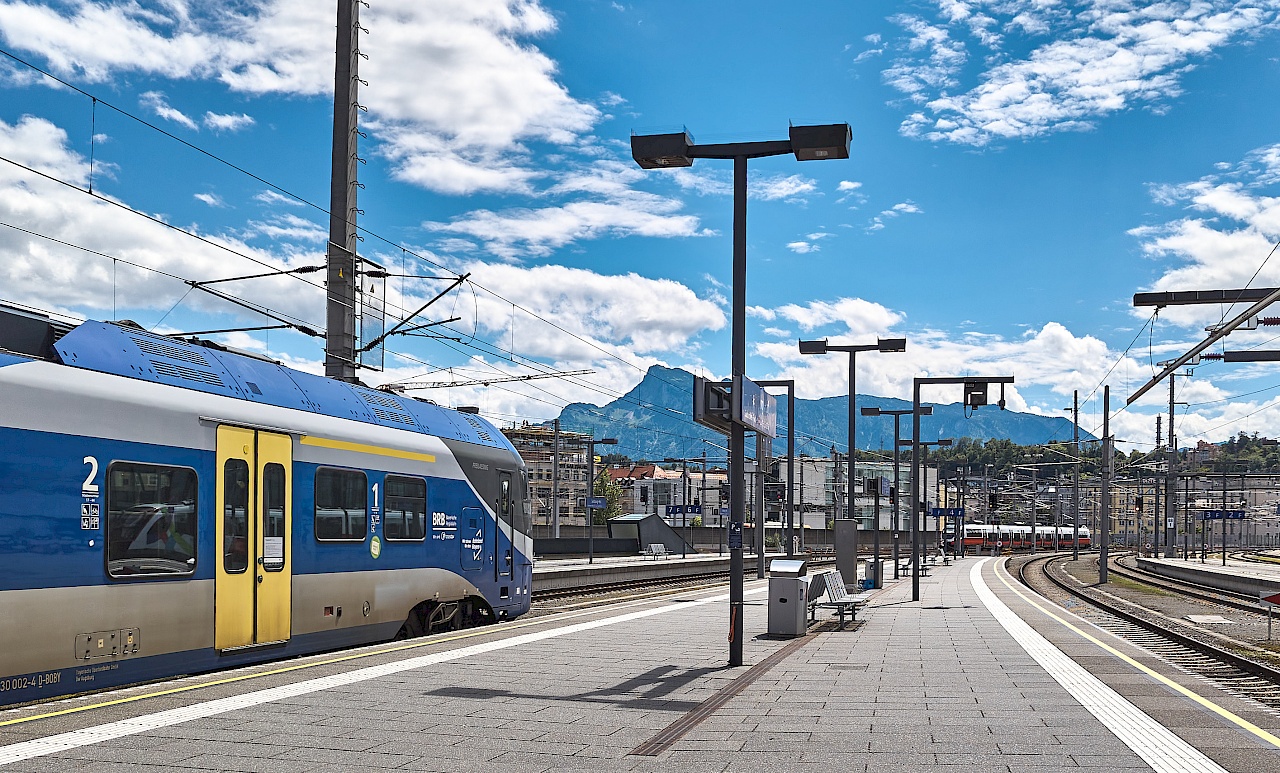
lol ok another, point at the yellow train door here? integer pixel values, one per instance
(253, 580)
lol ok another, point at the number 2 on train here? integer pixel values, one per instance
(90, 488)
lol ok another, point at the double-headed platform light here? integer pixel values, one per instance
(924, 410)
(881, 345)
(674, 150)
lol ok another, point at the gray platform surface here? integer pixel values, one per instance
(932, 686)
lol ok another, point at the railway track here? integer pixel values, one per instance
(589, 594)
(1238, 601)
(1221, 662)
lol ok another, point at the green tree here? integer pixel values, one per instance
(608, 488)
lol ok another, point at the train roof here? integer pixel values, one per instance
(202, 366)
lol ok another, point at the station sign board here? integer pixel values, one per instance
(597, 503)
(711, 407)
(756, 409)
(735, 535)
(684, 509)
(1218, 515)
(716, 406)
(948, 512)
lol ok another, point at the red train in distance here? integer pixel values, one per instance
(981, 537)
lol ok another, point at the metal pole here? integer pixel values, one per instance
(703, 488)
(340, 316)
(1170, 482)
(591, 490)
(1224, 515)
(1034, 518)
(763, 452)
(1186, 519)
(852, 426)
(1105, 549)
(1075, 493)
(879, 571)
(897, 493)
(791, 468)
(916, 490)
(737, 435)
(684, 508)
(555, 481)
(802, 503)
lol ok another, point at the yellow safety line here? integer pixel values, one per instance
(1203, 701)
(343, 445)
(299, 667)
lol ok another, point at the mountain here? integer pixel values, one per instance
(654, 421)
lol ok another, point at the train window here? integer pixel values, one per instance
(504, 496)
(525, 526)
(406, 509)
(151, 520)
(273, 540)
(235, 516)
(342, 498)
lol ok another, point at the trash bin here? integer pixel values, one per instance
(788, 591)
(874, 575)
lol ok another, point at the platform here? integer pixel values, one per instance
(1249, 577)
(977, 677)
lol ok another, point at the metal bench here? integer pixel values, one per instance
(905, 568)
(655, 551)
(831, 584)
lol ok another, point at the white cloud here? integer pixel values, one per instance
(272, 198)
(212, 199)
(45, 274)
(287, 227)
(776, 332)
(902, 208)
(1082, 63)
(156, 102)
(762, 186)
(802, 248)
(1229, 229)
(221, 122)
(789, 187)
(856, 315)
(611, 208)
(626, 314)
(460, 87)
(846, 186)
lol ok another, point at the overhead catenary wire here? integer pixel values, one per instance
(286, 192)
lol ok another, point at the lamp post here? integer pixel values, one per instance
(591, 490)
(918, 508)
(927, 410)
(975, 395)
(881, 345)
(658, 151)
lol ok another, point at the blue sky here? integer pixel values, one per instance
(1018, 171)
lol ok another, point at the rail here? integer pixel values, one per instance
(1247, 665)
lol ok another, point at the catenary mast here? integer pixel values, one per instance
(340, 318)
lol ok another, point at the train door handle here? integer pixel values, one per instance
(259, 579)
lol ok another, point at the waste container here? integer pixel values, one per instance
(788, 589)
(874, 574)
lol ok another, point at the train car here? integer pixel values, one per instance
(168, 506)
(980, 537)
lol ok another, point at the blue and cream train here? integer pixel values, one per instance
(168, 506)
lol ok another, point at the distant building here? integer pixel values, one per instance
(648, 488)
(536, 445)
